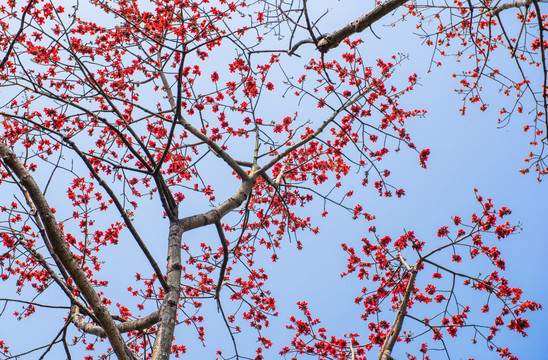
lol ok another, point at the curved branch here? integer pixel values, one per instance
(216, 214)
(132, 325)
(35, 303)
(221, 233)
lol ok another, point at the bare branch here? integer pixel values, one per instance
(35, 304)
(168, 311)
(132, 325)
(221, 233)
(513, 4)
(210, 217)
(333, 40)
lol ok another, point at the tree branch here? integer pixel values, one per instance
(221, 233)
(513, 4)
(12, 43)
(333, 40)
(62, 284)
(310, 137)
(210, 217)
(168, 311)
(60, 247)
(194, 131)
(132, 325)
(122, 212)
(400, 316)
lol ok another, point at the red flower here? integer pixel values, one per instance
(443, 231)
(430, 289)
(423, 157)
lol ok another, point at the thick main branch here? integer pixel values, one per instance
(513, 4)
(333, 40)
(394, 332)
(168, 311)
(67, 258)
(216, 214)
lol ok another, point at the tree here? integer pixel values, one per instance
(125, 116)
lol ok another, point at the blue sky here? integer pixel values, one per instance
(466, 153)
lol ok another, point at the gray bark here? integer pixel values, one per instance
(168, 311)
(132, 325)
(393, 334)
(333, 40)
